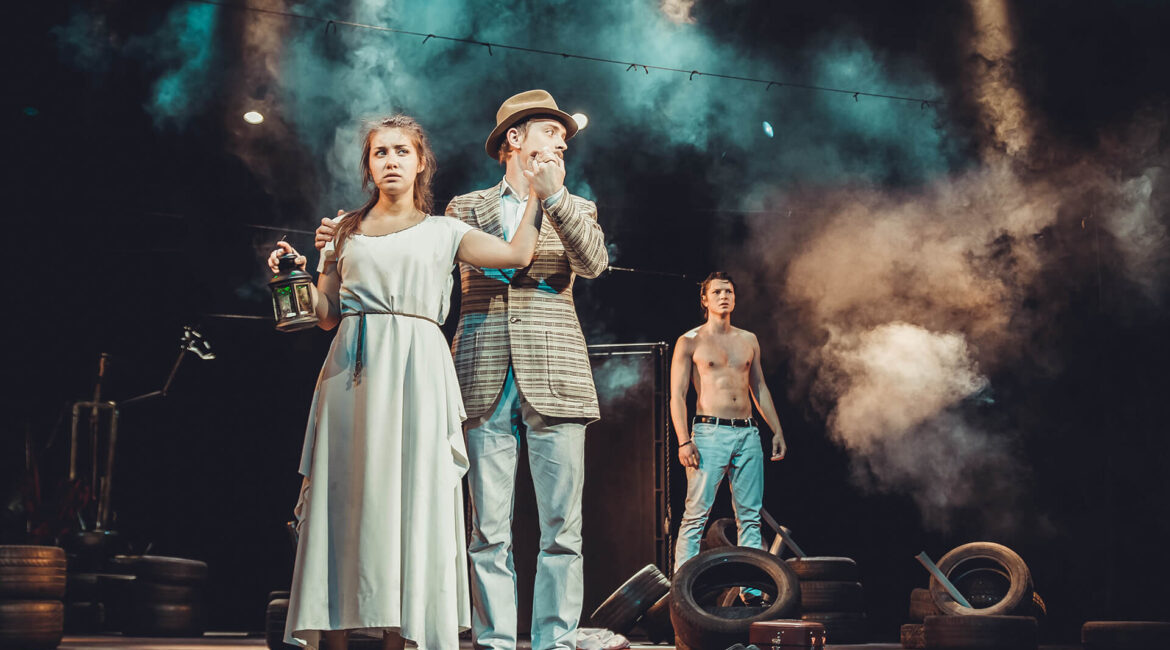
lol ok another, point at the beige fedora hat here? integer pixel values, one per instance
(523, 105)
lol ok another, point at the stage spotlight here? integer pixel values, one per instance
(581, 119)
(768, 129)
(252, 117)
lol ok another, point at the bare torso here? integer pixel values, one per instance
(721, 364)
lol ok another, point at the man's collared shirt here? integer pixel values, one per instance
(512, 207)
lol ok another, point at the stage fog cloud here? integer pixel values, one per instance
(904, 302)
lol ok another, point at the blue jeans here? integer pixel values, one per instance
(723, 450)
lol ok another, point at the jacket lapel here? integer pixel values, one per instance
(487, 213)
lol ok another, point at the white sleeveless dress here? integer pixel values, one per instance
(382, 541)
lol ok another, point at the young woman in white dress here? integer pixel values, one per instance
(382, 546)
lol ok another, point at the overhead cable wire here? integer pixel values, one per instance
(331, 25)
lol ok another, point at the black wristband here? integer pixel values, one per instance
(684, 444)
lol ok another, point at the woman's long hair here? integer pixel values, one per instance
(422, 182)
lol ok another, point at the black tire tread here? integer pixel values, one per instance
(170, 570)
(989, 632)
(32, 582)
(624, 606)
(1125, 635)
(656, 621)
(922, 605)
(164, 619)
(824, 568)
(717, 533)
(274, 623)
(31, 623)
(831, 596)
(17, 555)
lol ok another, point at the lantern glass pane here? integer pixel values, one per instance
(304, 301)
(284, 299)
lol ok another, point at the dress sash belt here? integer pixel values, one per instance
(361, 339)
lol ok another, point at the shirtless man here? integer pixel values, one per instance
(724, 363)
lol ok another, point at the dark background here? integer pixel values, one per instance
(122, 231)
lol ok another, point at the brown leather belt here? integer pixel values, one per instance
(724, 422)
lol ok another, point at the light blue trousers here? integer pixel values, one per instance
(723, 450)
(556, 456)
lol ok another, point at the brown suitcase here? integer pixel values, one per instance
(787, 635)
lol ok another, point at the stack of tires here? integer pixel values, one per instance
(32, 584)
(165, 596)
(84, 606)
(1005, 609)
(831, 594)
(921, 606)
(274, 619)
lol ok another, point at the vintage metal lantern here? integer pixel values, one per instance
(292, 300)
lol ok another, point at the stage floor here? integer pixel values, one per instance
(232, 642)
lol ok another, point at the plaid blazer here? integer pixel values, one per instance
(531, 321)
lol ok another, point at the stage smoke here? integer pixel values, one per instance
(903, 303)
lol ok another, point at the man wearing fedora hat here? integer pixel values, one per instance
(521, 359)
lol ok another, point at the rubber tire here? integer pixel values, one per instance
(81, 588)
(275, 595)
(721, 533)
(274, 620)
(922, 605)
(656, 621)
(84, 617)
(824, 568)
(718, 569)
(115, 592)
(144, 591)
(841, 627)
(123, 564)
(987, 632)
(831, 596)
(164, 619)
(913, 636)
(1125, 635)
(46, 556)
(32, 582)
(1019, 592)
(170, 570)
(32, 572)
(31, 624)
(625, 606)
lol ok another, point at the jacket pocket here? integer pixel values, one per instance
(570, 376)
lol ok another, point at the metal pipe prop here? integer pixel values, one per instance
(107, 482)
(780, 533)
(938, 575)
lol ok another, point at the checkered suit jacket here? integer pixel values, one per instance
(531, 321)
